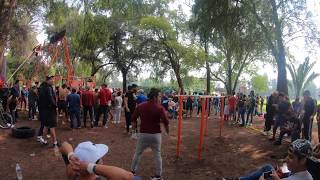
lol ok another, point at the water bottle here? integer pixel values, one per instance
(56, 151)
(19, 172)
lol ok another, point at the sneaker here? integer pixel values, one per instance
(156, 178)
(106, 126)
(41, 140)
(134, 173)
(230, 178)
(48, 136)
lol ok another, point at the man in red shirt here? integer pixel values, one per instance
(105, 99)
(87, 99)
(232, 106)
(151, 114)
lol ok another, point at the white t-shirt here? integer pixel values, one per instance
(303, 175)
(118, 101)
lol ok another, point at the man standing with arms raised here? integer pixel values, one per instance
(151, 114)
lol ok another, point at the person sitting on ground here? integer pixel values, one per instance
(299, 153)
(85, 163)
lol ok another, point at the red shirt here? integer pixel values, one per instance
(232, 101)
(105, 96)
(87, 98)
(151, 115)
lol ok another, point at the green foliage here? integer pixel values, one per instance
(260, 83)
(302, 76)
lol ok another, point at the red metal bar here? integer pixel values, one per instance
(201, 130)
(179, 125)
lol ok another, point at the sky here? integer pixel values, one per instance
(297, 47)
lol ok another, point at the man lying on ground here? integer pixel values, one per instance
(85, 163)
(301, 163)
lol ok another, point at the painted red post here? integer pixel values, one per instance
(179, 125)
(201, 130)
(221, 114)
(207, 116)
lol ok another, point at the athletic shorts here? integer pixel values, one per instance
(189, 107)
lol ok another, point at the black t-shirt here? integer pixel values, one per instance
(131, 101)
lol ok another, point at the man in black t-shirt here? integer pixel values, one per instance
(130, 104)
(307, 120)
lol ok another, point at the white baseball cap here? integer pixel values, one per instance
(90, 152)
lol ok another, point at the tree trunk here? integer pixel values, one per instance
(282, 84)
(229, 75)
(7, 8)
(124, 80)
(207, 67)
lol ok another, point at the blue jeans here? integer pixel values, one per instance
(255, 175)
(74, 119)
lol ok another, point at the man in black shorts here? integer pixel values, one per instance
(47, 108)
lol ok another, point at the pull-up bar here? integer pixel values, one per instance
(204, 120)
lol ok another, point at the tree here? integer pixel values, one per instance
(166, 44)
(282, 21)
(236, 40)
(260, 83)
(16, 31)
(302, 76)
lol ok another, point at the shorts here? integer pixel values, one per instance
(189, 107)
(49, 119)
(62, 104)
(232, 109)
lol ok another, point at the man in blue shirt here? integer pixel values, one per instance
(73, 103)
(141, 97)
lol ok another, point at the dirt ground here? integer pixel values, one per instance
(238, 151)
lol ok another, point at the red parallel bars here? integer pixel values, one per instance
(179, 125)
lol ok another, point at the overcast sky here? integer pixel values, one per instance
(297, 47)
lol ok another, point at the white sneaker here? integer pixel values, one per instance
(41, 140)
(155, 178)
(106, 126)
(48, 136)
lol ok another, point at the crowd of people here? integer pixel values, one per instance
(73, 105)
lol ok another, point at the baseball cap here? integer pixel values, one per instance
(302, 147)
(90, 152)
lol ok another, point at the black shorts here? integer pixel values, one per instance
(49, 118)
(62, 105)
(189, 107)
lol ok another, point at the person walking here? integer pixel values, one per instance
(261, 104)
(151, 114)
(47, 110)
(117, 107)
(96, 103)
(270, 111)
(87, 100)
(73, 104)
(251, 106)
(105, 97)
(62, 105)
(307, 120)
(232, 100)
(130, 105)
(32, 99)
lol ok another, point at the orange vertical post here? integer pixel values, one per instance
(201, 130)
(207, 116)
(179, 125)
(221, 114)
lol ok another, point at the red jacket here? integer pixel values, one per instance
(87, 98)
(105, 96)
